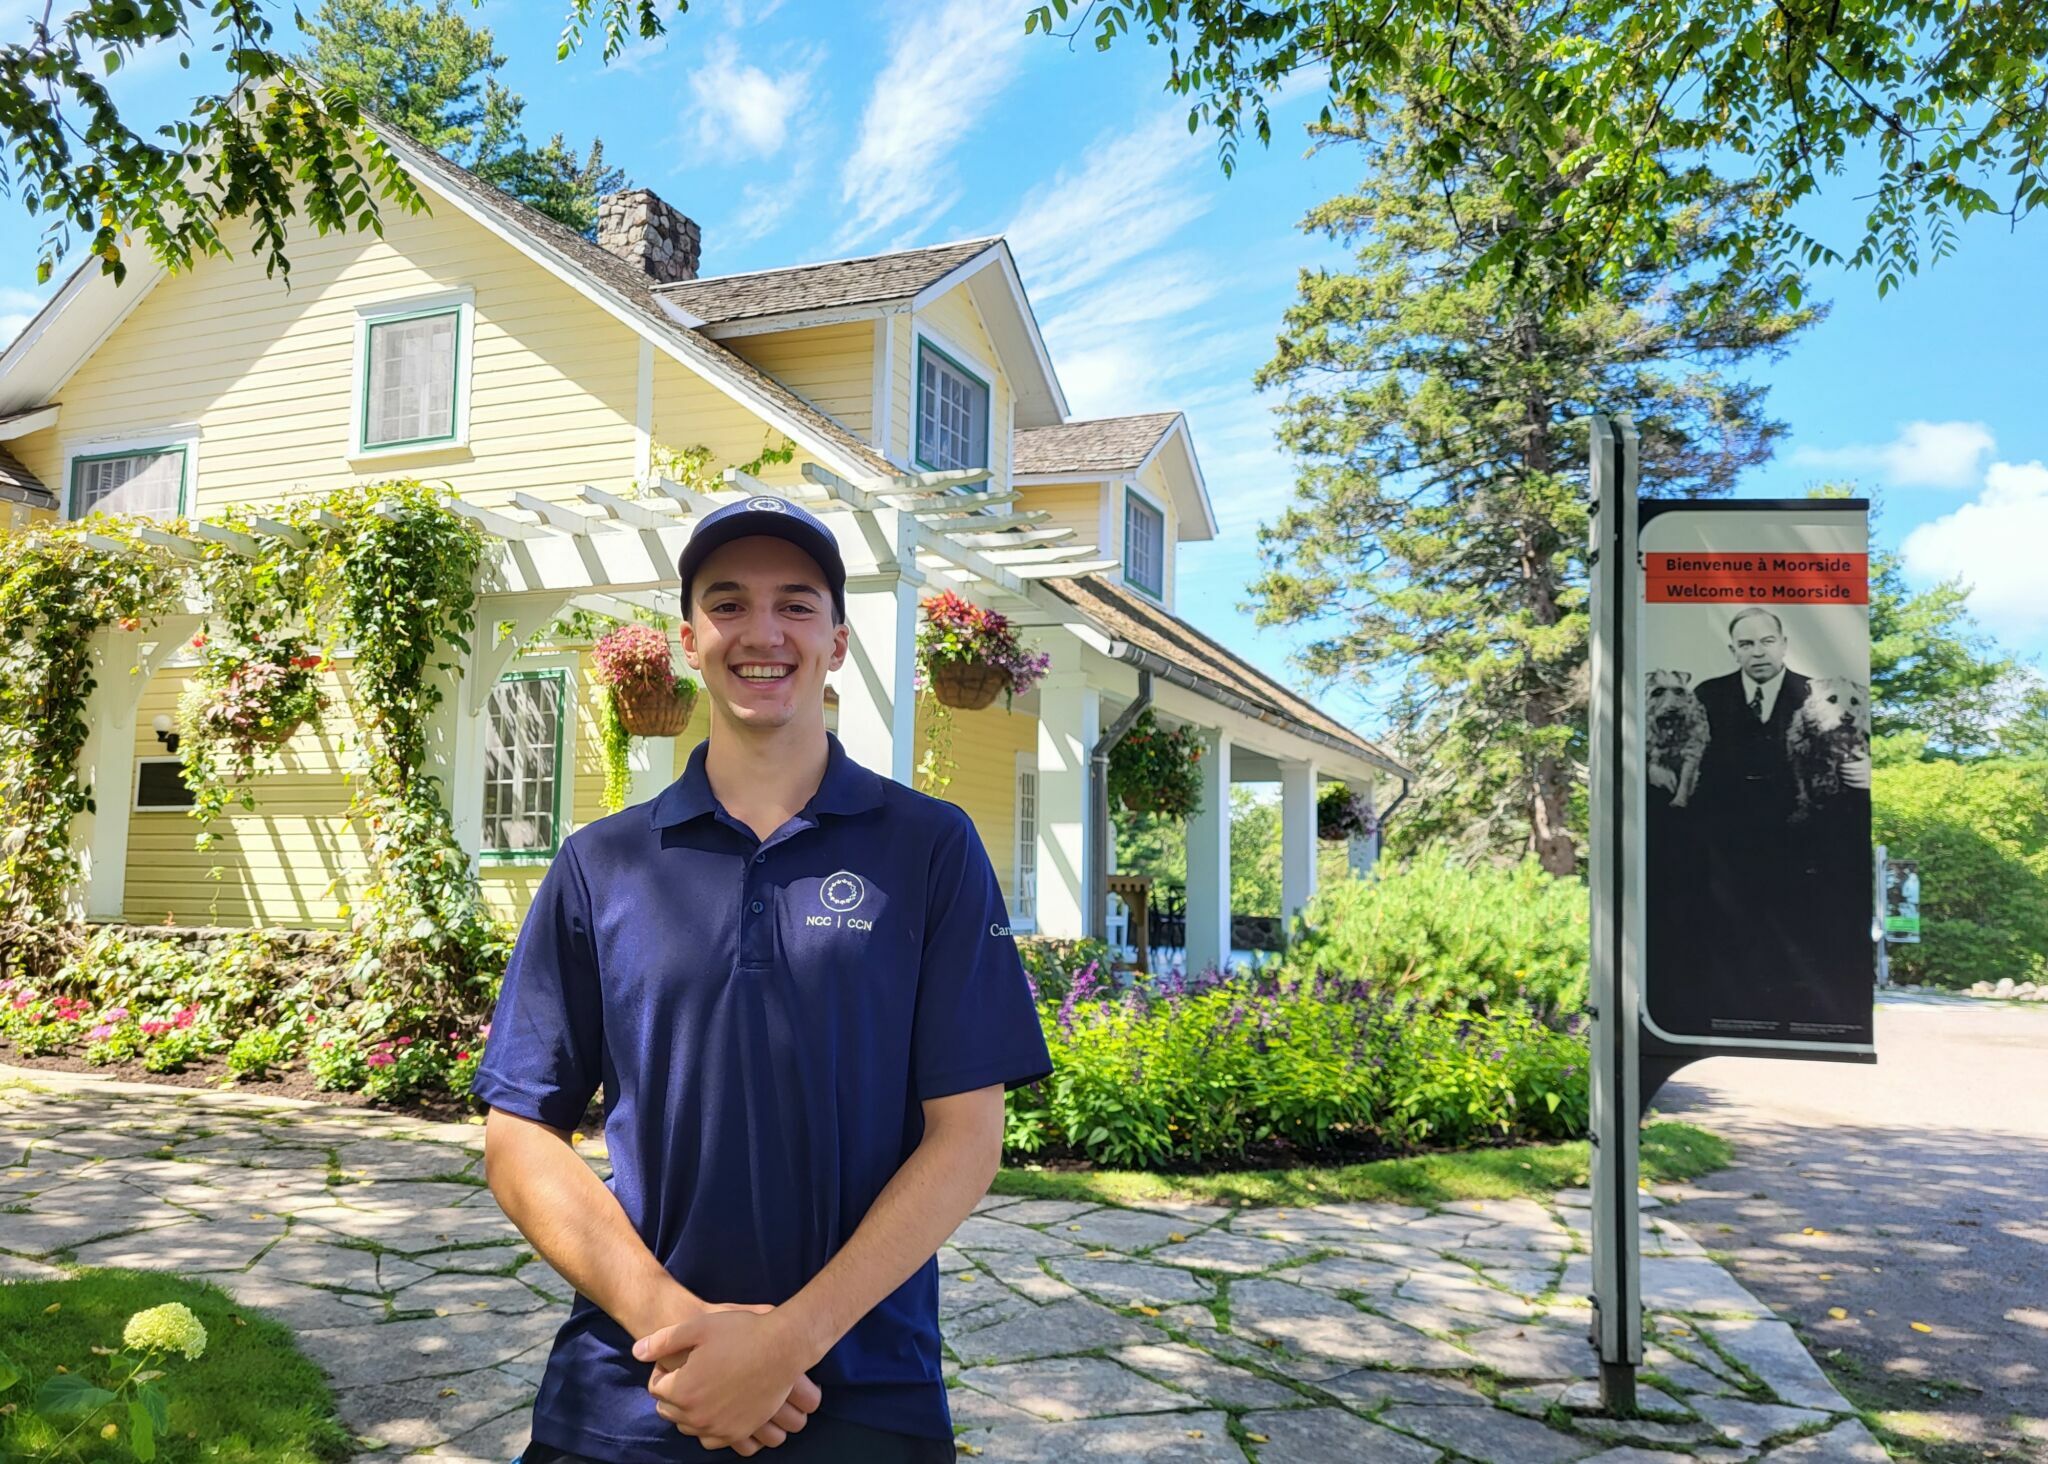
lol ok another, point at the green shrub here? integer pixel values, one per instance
(1051, 962)
(1177, 1072)
(180, 1047)
(1980, 833)
(335, 1059)
(261, 1051)
(123, 1042)
(1447, 936)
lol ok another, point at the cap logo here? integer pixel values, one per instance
(842, 892)
(765, 504)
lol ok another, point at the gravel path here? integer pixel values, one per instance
(1914, 1191)
(1338, 1334)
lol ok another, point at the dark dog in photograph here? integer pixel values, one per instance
(1831, 727)
(1677, 731)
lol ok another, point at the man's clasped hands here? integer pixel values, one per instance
(731, 1376)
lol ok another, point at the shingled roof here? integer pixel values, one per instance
(1105, 445)
(1132, 618)
(628, 288)
(873, 280)
(19, 485)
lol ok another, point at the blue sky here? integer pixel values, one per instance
(811, 130)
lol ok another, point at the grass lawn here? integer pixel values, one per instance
(1670, 1151)
(250, 1398)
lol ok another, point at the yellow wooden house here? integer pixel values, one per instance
(537, 372)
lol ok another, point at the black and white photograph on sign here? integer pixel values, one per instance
(1756, 726)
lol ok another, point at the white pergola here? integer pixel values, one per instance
(611, 554)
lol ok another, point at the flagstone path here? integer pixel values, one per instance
(1338, 1334)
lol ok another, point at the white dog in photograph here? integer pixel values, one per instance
(1829, 729)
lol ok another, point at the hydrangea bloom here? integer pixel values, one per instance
(167, 1328)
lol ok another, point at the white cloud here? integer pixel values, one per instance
(10, 327)
(1922, 455)
(12, 299)
(1133, 194)
(1994, 545)
(943, 73)
(740, 110)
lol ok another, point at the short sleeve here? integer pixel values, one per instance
(544, 1059)
(976, 1024)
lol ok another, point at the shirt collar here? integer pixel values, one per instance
(846, 788)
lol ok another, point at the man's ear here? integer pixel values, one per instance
(841, 637)
(687, 634)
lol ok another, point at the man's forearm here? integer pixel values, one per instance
(577, 1226)
(913, 1216)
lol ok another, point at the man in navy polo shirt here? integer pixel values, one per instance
(795, 983)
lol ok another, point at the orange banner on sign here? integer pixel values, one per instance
(1728, 578)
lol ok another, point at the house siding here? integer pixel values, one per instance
(1076, 506)
(984, 781)
(830, 366)
(267, 375)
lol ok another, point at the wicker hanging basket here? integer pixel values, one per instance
(648, 711)
(968, 686)
(267, 739)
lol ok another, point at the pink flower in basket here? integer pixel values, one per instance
(634, 655)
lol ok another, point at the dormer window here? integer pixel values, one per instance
(1144, 545)
(952, 413)
(149, 481)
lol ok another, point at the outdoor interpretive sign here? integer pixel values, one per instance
(1754, 656)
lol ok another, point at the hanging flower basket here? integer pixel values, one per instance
(633, 660)
(967, 654)
(969, 685)
(261, 703)
(1155, 769)
(647, 710)
(1342, 814)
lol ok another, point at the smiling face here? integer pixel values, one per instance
(760, 633)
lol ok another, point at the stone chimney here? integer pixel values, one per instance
(649, 235)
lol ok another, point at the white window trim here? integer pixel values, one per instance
(565, 796)
(135, 802)
(973, 361)
(463, 303)
(1027, 762)
(182, 434)
(1158, 596)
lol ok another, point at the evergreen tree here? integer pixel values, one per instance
(432, 74)
(1436, 542)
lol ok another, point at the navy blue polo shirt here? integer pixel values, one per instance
(765, 1016)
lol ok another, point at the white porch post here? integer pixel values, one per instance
(877, 701)
(455, 748)
(1069, 722)
(653, 761)
(1363, 850)
(1209, 860)
(106, 764)
(1297, 837)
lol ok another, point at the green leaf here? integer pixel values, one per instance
(159, 1410)
(69, 1393)
(144, 1440)
(9, 1373)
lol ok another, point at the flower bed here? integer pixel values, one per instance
(1218, 1071)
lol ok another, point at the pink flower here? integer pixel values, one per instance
(405, 1042)
(155, 1029)
(486, 1033)
(100, 1033)
(118, 1014)
(185, 1016)
(380, 1059)
(462, 1057)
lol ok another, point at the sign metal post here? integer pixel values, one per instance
(1616, 778)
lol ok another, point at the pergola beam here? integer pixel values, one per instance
(292, 536)
(557, 516)
(626, 511)
(951, 523)
(497, 523)
(1022, 540)
(241, 543)
(180, 546)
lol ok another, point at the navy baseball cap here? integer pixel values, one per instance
(778, 518)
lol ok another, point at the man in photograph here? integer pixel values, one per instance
(1788, 878)
(793, 980)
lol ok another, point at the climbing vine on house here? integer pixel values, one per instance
(60, 584)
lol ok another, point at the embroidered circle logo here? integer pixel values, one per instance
(842, 892)
(765, 504)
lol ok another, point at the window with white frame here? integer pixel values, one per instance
(523, 764)
(1144, 545)
(952, 413)
(150, 481)
(1024, 895)
(410, 384)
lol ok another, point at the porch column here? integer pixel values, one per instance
(1363, 850)
(1209, 860)
(106, 765)
(455, 747)
(653, 761)
(1297, 838)
(1069, 722)
(877, 701)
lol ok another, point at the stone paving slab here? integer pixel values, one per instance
(1336, 1334)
